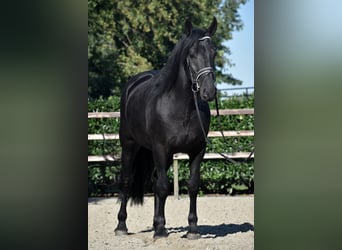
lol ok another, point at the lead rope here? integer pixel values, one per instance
(224, 138)
(221, 129)
(205, 135)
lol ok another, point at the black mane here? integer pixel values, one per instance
(180, 51)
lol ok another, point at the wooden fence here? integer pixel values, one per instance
(179, 156)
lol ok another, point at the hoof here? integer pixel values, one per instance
(193, 236)
(121, 232)
(160, 234)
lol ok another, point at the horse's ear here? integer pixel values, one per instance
(188, 27)
(212, 28)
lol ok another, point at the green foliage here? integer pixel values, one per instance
(232, 122)
(217, 176)
(101, 178)
(103, 126)
(128, 37)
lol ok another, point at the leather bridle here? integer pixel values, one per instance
(196, 76)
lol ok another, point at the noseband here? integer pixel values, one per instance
(195, 76)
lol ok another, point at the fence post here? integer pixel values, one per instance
(175, 179)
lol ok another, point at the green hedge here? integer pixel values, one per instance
(217, 176)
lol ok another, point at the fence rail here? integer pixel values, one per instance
(229, 92)
(212, 112)
(233, 133)
(178, 156)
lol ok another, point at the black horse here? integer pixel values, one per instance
(159, 118)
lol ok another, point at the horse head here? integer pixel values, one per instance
(200, 62)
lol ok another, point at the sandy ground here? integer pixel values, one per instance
(225, 222)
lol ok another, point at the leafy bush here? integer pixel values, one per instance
(217, 176)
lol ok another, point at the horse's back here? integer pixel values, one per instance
(136, 81)
(132, 101)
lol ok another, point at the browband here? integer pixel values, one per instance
(203, 38)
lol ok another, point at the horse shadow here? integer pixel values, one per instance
(214, 231)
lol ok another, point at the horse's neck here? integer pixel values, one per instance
(181, 91)
(178, 84)
(176, 78)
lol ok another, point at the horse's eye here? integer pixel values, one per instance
(192, 52)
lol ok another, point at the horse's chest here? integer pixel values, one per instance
(187, 136)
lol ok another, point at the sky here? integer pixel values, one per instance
(242, 48)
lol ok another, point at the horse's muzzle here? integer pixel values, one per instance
(208, 89)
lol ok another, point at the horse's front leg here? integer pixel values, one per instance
(193, 187)
(161, 190)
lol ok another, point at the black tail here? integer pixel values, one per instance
(142, 172)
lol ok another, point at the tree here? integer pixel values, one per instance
(127, 37)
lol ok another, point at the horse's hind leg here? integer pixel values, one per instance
(161, 190)
(193, 187)
(129, 151)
